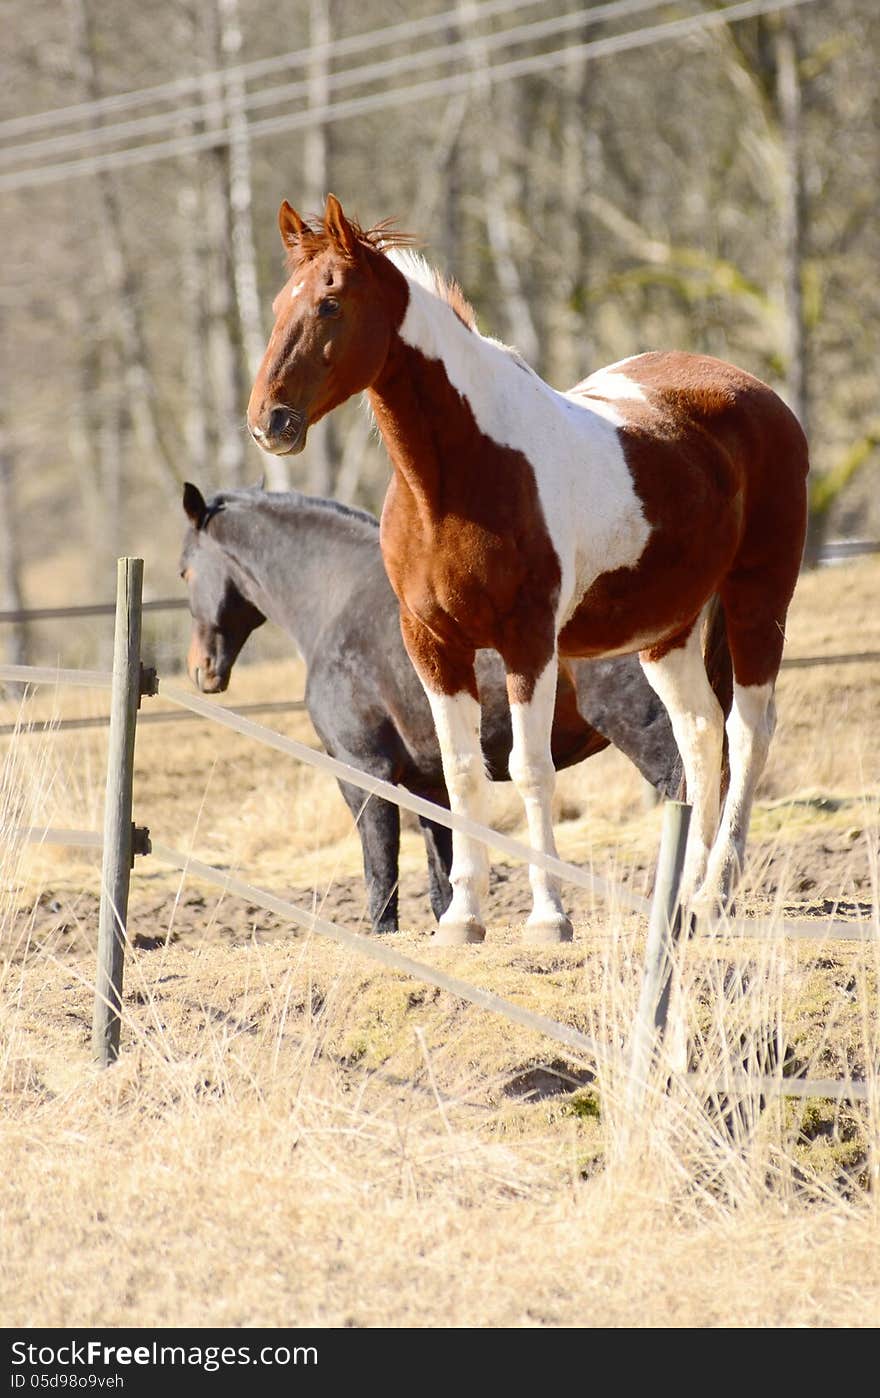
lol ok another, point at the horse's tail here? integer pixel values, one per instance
(719, 668)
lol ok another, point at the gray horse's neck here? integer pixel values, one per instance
(299, 560)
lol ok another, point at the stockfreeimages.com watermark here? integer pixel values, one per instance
(94, 1354)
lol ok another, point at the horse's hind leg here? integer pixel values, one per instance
(755, 637)
(438, 847)
(534, 776)
(750, 726)
(678, 676)
(378, 825)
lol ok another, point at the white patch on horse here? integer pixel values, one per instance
(679, 678)
(533, 775)
(295, 290)
(611, 382)
(457, 721)
(750, 726)
(593, 515)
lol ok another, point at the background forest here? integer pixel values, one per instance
(600, 178)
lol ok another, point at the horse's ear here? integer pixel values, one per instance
(194, 505)
(290, 225)
(339, 228)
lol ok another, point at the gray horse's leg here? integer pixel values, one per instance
(378, 824)
(438, 844)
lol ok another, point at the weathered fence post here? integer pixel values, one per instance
(664, 931)
(118, 831)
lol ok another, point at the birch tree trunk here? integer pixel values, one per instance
(520, 323)
(16, 638)
(788, 97)
(244, 254)
(242, 245)
(571, 355)
(790, 108)
(323, 451)
(96, 440)
(193, 286)
(439, 176)
(193, 256)
(121, 284)
(228, 389)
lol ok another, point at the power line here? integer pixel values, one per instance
(259, 67)
(446, 86)
(218, 107)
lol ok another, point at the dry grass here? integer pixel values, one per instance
(291, 1138)
(294, 1138)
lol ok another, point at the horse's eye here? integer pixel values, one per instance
(328, 307)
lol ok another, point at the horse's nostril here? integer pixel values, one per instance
(280, 422)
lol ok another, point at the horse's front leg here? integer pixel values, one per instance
(451, 686)
(532, 702)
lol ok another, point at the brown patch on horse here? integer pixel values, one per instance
(725, 443)
(467, 551)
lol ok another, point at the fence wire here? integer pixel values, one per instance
(582, 1045)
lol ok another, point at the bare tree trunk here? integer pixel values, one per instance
(224, 357)
(323, 450)
(96, 439)
(82, 326)
(244, 250)
(193, 308)
(244, 254)
(440, 175)
(111, 438)
(121, 282)
(243, 246)
(16, 647)
(571, 355)
(789, 105)
(788, 96)
(194, 291)
(520, 323)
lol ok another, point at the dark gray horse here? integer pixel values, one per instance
(314, 568)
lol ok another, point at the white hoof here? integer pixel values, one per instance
(459, 932)
(548, 929)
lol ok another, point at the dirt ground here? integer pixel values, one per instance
(301, 1137)
(827, 873)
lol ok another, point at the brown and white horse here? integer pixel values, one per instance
(541, 524)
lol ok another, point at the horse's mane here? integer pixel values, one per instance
(313, 238)
(414, 266)
(255, 495)
(336, 507)
(384, 237)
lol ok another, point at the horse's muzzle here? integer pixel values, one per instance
(282, 431)
(210, 683)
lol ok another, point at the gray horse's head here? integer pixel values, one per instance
(222, 619)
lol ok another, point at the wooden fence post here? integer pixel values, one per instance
(664, 931)
(118, 832)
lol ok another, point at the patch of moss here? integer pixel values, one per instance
(584, 1105)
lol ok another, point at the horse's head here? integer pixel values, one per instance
(222, 619)
(333, 324)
